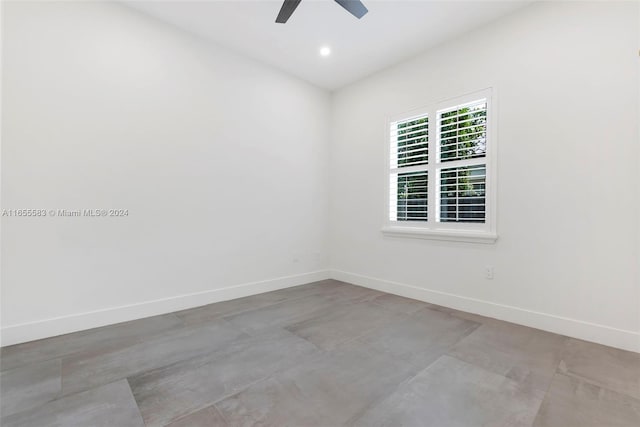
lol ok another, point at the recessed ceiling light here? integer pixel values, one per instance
(325, 51)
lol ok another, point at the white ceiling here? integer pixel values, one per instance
(392, 31)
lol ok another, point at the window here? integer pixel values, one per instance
(440, 171)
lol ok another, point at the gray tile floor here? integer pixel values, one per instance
(323, 354)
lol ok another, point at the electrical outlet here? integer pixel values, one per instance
(488, 272)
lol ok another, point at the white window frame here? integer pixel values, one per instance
(433, 228)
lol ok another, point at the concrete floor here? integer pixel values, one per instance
(323, 354)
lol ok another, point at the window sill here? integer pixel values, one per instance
(446, 235)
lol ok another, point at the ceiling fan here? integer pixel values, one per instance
(354, 7)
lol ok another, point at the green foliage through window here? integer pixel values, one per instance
(462, 194)
(463, 132)
(412, 196)
(412, 138)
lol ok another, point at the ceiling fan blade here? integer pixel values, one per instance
(354, 7)
(286, 10)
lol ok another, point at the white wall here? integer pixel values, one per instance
(566, 82)
(106, 108)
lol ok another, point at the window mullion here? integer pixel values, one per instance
(464, 162)
(409, 169)
(431, 172)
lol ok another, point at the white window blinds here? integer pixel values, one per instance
(409, 159)
(462, 141)
(462, 194)
(439, 166)
(463, 132)
(411, 138)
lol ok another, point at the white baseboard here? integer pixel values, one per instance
(624, 339)
(15, 334)
(619, 338)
